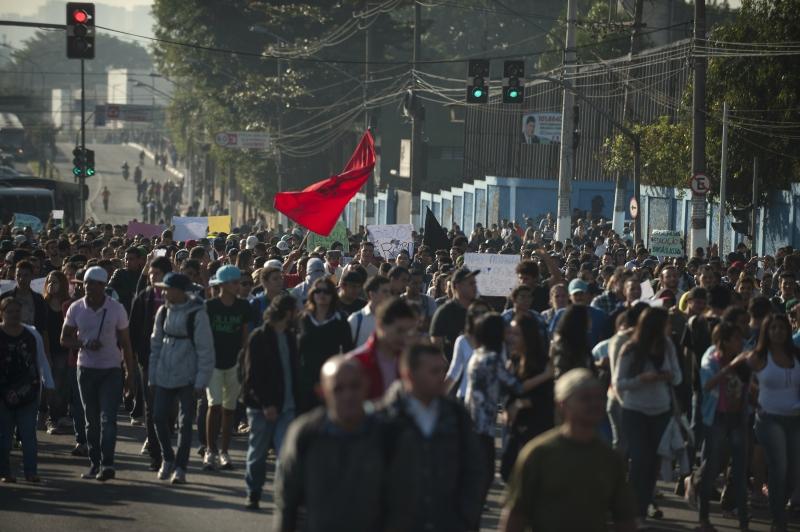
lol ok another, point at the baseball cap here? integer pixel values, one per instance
(315, 265)
(578, 285)
(463, 273)
(175, 280)
(226, 274)
(273, 263)
(251, 242)
(96, 273)
(283, 246)
(182, 254)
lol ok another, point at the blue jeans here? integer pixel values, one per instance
(262, 432)
(730, 429)
(163, 399)
(24, 419)
(643, 435)
(76, 408)
(780, 436)
(101, 393)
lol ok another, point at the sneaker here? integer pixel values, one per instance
(690, 494)
(8, 479)
(201, 451)
(179, 476)
(137, 421)
(155, 464)
(252, 503)
(91, 473)
(225, 461)
(145, 447)
(107, 473)
(165, 471)
(80, 449)
(210, 461)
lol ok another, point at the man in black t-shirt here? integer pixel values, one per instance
(350, 287)
(449, 320)
(229, 316)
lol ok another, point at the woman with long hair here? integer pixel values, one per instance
(559, 298)
(570, 349)
(56, 293)
(488, 379)
(647, 370)
(324, 332)
(464, 346)
(776, 364)
(533, 412)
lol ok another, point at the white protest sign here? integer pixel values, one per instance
(37, 285)
(389, 240)
(647, 291)
(58, 215)
(6, 285)
(189, 227)
(498, 275)
(666, 243)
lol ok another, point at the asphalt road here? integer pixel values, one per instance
(137, 501)
(108, 165)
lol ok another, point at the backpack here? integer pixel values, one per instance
(189, 326)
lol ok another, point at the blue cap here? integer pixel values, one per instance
(226, 274)
(175, 280)
(578, 285)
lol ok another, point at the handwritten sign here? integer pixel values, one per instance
(498, 275)
(666, 243)
(389, 240)
(219, 224)
(189, 227)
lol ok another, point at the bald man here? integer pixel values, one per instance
(332, 460)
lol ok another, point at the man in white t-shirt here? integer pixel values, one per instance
(362, 323)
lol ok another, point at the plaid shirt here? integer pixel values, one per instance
(607, 302)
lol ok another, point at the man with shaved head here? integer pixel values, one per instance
(332, 460)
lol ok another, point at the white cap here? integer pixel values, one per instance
(274, 263)
(252, 240)
(96, 273)
(282, 245)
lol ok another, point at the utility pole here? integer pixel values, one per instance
(620, 196)
(723, 179)
(567, 167)
(755, 207)
(699, 238)
(372, 181)
(416, 125)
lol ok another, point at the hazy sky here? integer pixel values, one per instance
(29, 7)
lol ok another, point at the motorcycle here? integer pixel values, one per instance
(125, 171)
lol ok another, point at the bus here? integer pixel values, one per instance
(39, 197)
(12, 136)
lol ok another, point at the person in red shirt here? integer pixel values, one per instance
(395, 323)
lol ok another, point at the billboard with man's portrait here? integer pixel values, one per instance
(541, 128)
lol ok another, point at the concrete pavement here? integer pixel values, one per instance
(123, 206)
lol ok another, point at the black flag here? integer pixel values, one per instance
(435, 237)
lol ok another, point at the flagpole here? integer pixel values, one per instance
(305, 238)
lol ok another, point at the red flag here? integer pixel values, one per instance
(318, 206)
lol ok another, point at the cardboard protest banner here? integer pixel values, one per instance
(219, 224)
(37, 285)
(666, 243)
(647, 291)
(338, 234)
(146, 230)
(389, 240)
(189, 227)
(498, 275)
(28, 220)
(58, 215)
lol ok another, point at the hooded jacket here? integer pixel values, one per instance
(176, 361)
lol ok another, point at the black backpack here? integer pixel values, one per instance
(189, 326)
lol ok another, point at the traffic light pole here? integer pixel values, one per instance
(416, 128)
(723, 180)
(698, 226)
(82, 178)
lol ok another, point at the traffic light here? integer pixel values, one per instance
(80, 30)
(741, 220)
(89, 163)
(78, 161)
(513, 81)
(478, 81)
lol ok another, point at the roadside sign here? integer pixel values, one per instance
(126, 112)
(633, 208)
(243, 140)
(700, 184)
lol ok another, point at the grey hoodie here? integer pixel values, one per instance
(175, 361)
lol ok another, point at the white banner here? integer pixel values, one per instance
(389, 240)
(498, 275)
(190, 227)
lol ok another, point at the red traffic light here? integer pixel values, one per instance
(80, 16)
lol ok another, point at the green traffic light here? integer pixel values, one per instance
(513, 93)
(477, 93)
(76, 171)
(90, 171)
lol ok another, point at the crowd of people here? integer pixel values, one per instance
(383, 384)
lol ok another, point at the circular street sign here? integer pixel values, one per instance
(700, 184)
(112, 111)
(633, 208)
(222, 139)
